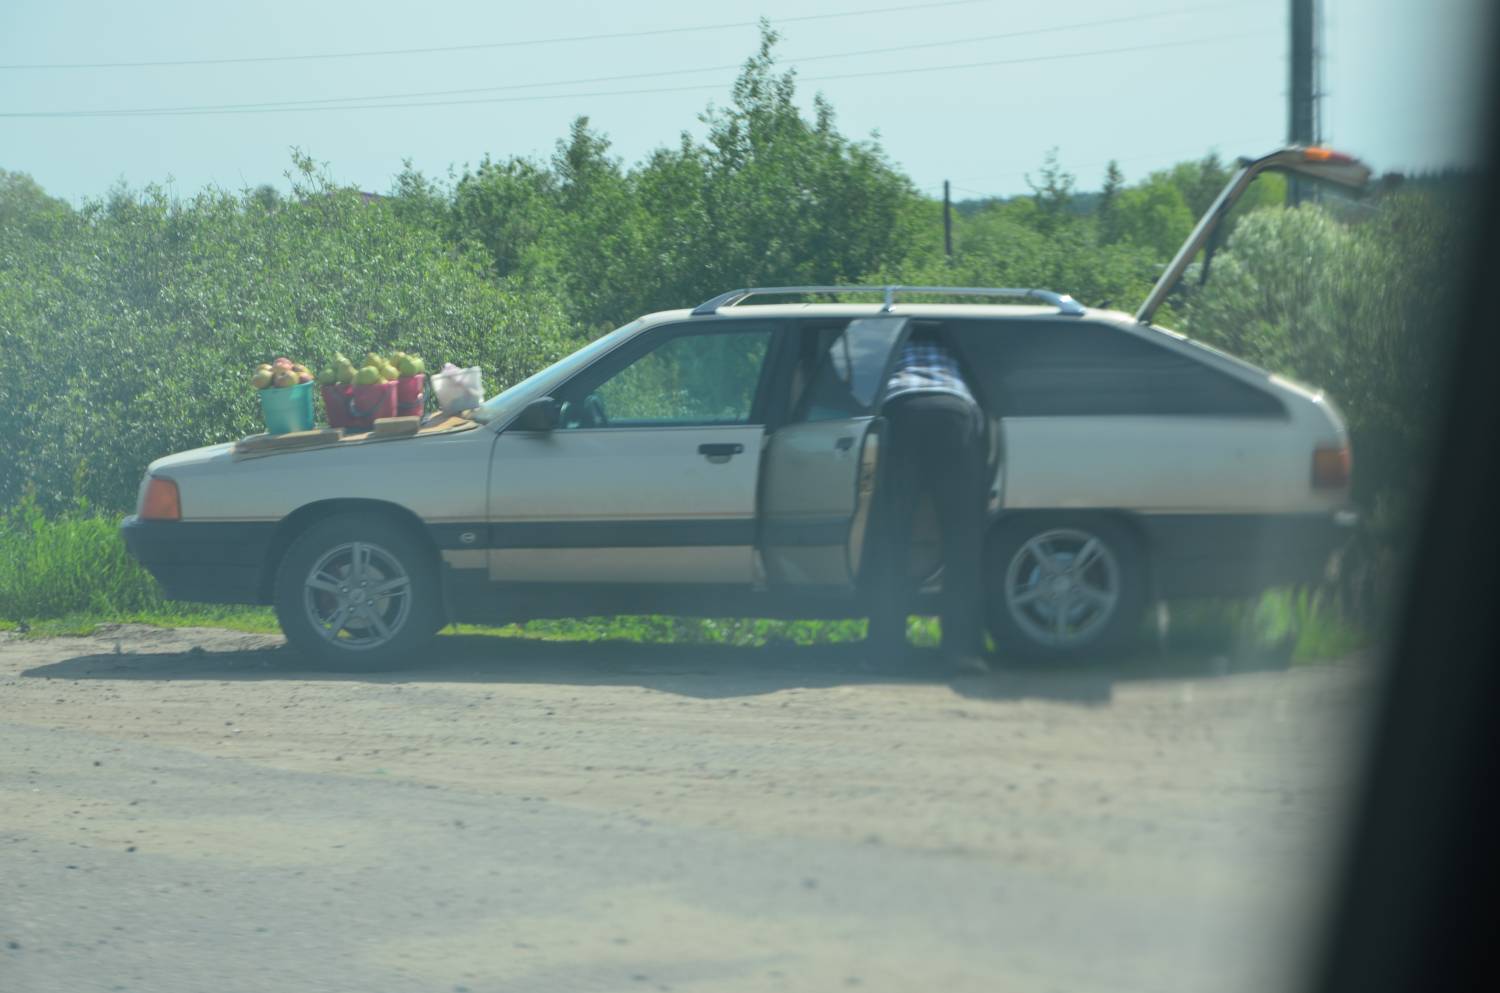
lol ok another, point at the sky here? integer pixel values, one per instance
(972, 91)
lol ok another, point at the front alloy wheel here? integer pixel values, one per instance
(357, 596)
(358, 592)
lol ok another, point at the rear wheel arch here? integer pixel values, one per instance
(1127, 521)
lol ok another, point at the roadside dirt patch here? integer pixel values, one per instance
(719, 784)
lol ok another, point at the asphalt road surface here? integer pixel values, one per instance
(196, 810)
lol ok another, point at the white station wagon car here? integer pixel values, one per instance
(722, 461)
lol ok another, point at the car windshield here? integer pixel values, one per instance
(503, 403)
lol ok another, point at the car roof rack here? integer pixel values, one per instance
(1064, 303)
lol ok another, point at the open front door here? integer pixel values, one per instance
(820, 469)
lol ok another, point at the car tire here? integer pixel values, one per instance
(358, 592)
(1043, 603)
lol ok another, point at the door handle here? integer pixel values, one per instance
(720, 451)
(844, 444)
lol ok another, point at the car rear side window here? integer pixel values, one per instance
(1062, 369)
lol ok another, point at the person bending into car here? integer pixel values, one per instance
(935, 446)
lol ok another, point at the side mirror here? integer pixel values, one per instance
(542, 414)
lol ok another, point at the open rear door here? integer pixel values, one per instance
(820, 469)
(1318, 164)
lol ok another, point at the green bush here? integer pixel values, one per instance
(1359, 310)
(71, 563)
(130, 328)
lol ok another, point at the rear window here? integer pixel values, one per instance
(1061, 369)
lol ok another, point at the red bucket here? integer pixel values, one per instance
(366, 403)
(336, 405)
(411, 395)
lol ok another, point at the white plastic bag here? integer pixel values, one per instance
(458, 389)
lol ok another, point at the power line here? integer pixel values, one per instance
(261, 109)
(977, 39)
(1212, 146)
(481, 46)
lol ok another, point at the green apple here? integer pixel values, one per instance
(284, 378)
(367, 376)
(261, 379)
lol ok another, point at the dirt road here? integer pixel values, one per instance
(194, 810)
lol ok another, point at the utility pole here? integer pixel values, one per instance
(1302, 122)
(947, 222)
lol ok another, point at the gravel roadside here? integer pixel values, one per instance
(194, 810)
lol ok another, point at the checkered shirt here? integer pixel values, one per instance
(927, 367)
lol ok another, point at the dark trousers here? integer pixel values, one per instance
(934, 445)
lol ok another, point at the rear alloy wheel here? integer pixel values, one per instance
(357, 592)
(1062, 588)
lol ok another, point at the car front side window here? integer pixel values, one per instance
(701, 378)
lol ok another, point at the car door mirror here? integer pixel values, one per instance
(542, 414)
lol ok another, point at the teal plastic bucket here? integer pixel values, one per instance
(288, 408)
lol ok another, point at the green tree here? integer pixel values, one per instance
(1153, 215)
(1052, 192)
(510, 210)
(1109, 200)
(25, 206)
(129, 333)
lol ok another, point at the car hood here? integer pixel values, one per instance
(193, 458)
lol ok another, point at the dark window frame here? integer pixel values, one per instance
(798, 414)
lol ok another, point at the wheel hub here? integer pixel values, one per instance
(1062, 587)
(357, 595)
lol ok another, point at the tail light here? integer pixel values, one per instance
(1316, 153)
(161, 502)
(1332, 468)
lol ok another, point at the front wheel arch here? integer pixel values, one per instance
(292, 526)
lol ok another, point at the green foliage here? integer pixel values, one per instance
(130, 332)
(1052, 194)
(767, 196)
(74, 562)
(26, 209)
(1356, 309)
(1154, 216)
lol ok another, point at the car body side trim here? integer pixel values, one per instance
(660, 533)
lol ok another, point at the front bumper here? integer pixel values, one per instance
(1232, 555)
(202, 561)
